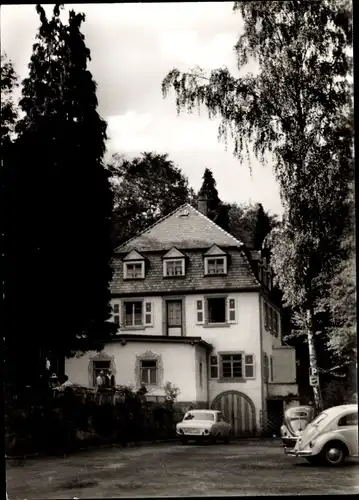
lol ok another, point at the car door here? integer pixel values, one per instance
(348, 428)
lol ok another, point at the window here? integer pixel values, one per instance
(173, 267)
(148, 369)
(216, 265)
(351, 419)
(133, 313)
(116, 314)
(231, 365)
(200, 374)
(213, 367)
(199, 416)
(216, 310)
(134, 270)
(270, 318)
(99, 366)
(249, 366)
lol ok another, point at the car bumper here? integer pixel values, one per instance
(299, 453)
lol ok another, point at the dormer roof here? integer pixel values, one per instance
(174, 254)
(215, 251)
(133, 255)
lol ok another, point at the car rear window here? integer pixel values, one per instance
(350, 419)
(199, 416)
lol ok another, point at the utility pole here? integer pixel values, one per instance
(314, 380)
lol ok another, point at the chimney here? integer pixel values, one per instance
(203, 205)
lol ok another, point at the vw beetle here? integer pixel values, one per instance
(296, 420)
(204, 425)
(331, 437)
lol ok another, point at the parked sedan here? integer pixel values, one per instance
(331, 437)
(204, 425)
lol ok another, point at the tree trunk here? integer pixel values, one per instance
(313, 361)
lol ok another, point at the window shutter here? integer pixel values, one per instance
(116, 313)
(148, 313)
(200, 312)
(232, 310)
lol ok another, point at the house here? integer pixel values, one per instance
(191, 310)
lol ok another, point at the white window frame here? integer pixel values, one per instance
(130, 263)
(147, 314)
(209, 258)
(132, 301)
(213, 363)
(231, 310)
(231, 301)
(244, 364)
(148, 369)
(165, 270)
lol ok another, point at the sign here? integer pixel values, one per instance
(313, 380)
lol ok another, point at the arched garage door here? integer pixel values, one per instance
(239, 410)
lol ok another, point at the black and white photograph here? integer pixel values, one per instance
(178, 257)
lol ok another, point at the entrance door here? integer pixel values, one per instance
(174, 318)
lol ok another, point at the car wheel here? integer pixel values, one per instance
(334, 453)
(184, 441)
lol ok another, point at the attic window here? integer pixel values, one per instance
(215, 265)
(134, 270)
(185, 213)
(173, 267)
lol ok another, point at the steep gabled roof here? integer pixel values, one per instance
(184, 228)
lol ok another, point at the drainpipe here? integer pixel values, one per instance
(261, 347)
(208, 369)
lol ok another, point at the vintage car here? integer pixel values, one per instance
(296, 420)
(331, 437)
(202, 425)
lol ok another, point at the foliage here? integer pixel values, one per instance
(171, 391)
(59, 203)
(209, 190)
(301, 51)
(8, 111)
(250, 223)
(145, 188)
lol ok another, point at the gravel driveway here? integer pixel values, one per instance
(241, 468)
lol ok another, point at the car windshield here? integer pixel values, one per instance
(199, 416)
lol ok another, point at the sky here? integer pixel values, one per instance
(133, 46)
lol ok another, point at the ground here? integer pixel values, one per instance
(250, 467)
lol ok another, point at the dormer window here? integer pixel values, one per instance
(215, 261)
(173, 263)
(134, 270)
(174, 267)
(133, 266)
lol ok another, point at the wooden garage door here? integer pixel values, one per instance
(238, 410)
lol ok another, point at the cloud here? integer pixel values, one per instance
(185, 46)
